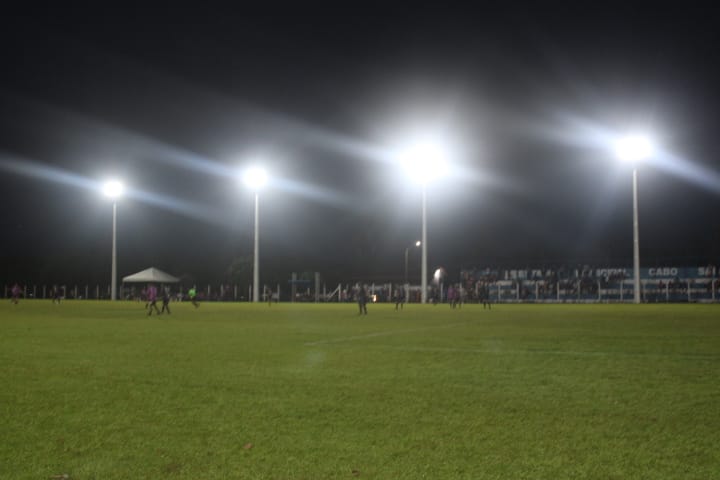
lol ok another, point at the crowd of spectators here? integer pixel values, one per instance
(472, 285)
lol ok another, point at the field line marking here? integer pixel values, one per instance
(699, 356)
(383, 333)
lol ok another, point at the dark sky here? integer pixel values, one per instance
(176, 100)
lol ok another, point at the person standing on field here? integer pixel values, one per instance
(485, 296)
(56, 294)
(166, 301)
(362, 300)
(268, 294)
(192, 293)
(399, 295)
(15, 294)
(152, 299)
(452, 300)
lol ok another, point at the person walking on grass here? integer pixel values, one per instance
(166, 301)
(485, 296)
(362, 300)
(152, 299)
(56, 294)
(192, 293)
(399, 295)
(452, 299)
(15, 291)
(268, 294)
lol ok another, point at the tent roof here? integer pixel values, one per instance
(151, 274)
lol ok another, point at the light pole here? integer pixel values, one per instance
(424, 162)
(635, 148)
(407, 249)
(423, 268)
(113, 189)
(256, 178)
(636, 241)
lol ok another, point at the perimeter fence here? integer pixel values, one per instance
(468, 290)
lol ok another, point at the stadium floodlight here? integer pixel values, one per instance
(114, 190)
(424, 161)
(635, 148)
(256, 178)
(407, 250)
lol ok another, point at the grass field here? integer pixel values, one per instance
(95, 390)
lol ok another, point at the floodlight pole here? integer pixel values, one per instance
(636, 240)
(256, 255)
(423, 272)
(113, 280)
(407, 249)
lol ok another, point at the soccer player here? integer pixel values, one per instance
(15, 294)
(485, 296)
(152, 299)
(56, 294)
(399, 297)
(451, 296)
(192, 293)
(166, 301)
(268, 294)
(362, 300)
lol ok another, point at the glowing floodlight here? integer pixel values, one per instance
(425, 158)
(634, 148)
(113, 189)
(425, 162)
(255, 178)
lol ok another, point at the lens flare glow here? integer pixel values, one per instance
(424, 161)
(46, 173)
(634, 147)
(113, 189)
(315, 193)
(32, 169)
(255, 178)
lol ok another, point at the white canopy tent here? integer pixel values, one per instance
(150, 275)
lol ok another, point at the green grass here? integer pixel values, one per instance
(100, 391)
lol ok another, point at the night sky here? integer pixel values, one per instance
(175, 101)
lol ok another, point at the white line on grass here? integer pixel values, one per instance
(384, 333)
(499, 351)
